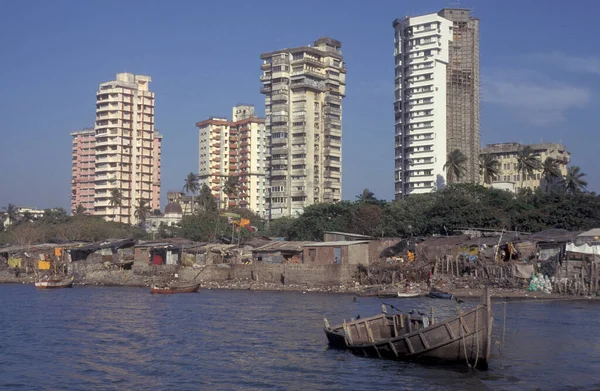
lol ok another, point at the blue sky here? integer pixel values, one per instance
(540, 72)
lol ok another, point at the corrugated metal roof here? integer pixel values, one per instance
(337, 244)
(282, 246)
(591, 232)
(349, 234)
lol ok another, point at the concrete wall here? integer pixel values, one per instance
(350, 254)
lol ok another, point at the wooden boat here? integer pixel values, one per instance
(176, 287)
(409, 294)
(440, 295)
(53, 283)
(463, 338)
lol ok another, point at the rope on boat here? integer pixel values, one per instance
(477, 336)
(462, 337)
(504, 327)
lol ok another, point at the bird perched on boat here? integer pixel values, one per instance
(411, 312)
(421, 313)
(358, 317)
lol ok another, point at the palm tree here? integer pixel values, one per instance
(12, 212)
(143, 210)
(116, 199)
(550, 171)
(528, 161)
(80, 210)
(455, 165)
(205, 199)
(489, 167)
(231, 186)
(573, 181)
(191, 184)
(366, 196)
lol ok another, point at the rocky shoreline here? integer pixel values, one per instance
(125, 279)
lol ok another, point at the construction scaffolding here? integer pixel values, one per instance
(462, 77)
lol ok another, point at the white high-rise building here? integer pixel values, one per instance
(436, 98)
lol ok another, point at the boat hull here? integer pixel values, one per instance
(465, 338)
(54, 284)
(440, 295)
(175, 289)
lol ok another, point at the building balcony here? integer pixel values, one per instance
(265, 90)
(279, 98)
(309, 84)
(333, 110)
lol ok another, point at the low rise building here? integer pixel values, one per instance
(507, 156)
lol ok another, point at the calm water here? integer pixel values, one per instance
(93, 338)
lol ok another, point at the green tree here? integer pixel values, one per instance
(455, 166)
(489, 167)
(550, 171)
(206, 201)
(231, 187)
(191, 184)
(115, 200)
(528, 162)
(142, 210)
(574, 181)
(80, 210)
(366, 196)
(12, 213)
(203, 226)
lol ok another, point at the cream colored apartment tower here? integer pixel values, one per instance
(303, 89)
(235, 148)
(509, 177)
(127, 148)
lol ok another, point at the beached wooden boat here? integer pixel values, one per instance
(53, 283)
(177, 287)
(464, 338)
(409, 294)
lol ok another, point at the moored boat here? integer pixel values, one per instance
(178, 287)
(53, 283)
(465, 337)
(409, 294)
(440, 295)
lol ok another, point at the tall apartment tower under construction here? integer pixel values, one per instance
(436, 98)
(303, 90)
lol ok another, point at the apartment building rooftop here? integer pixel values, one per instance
(323, 46)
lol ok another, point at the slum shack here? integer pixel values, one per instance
(550, 250)
(29, 258)
(351, 252)
(579, 271)
(157, 253)
(112, 251)
(280, 252)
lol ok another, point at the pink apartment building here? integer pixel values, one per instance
(82, 174)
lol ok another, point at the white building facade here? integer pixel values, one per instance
(421, 49)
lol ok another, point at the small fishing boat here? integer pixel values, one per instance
(175, 287)
(440, 295)
(53, 283)
(465, 337)
(409, 294)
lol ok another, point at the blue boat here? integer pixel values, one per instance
(440, 295)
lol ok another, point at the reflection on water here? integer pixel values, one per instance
(96, 338)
